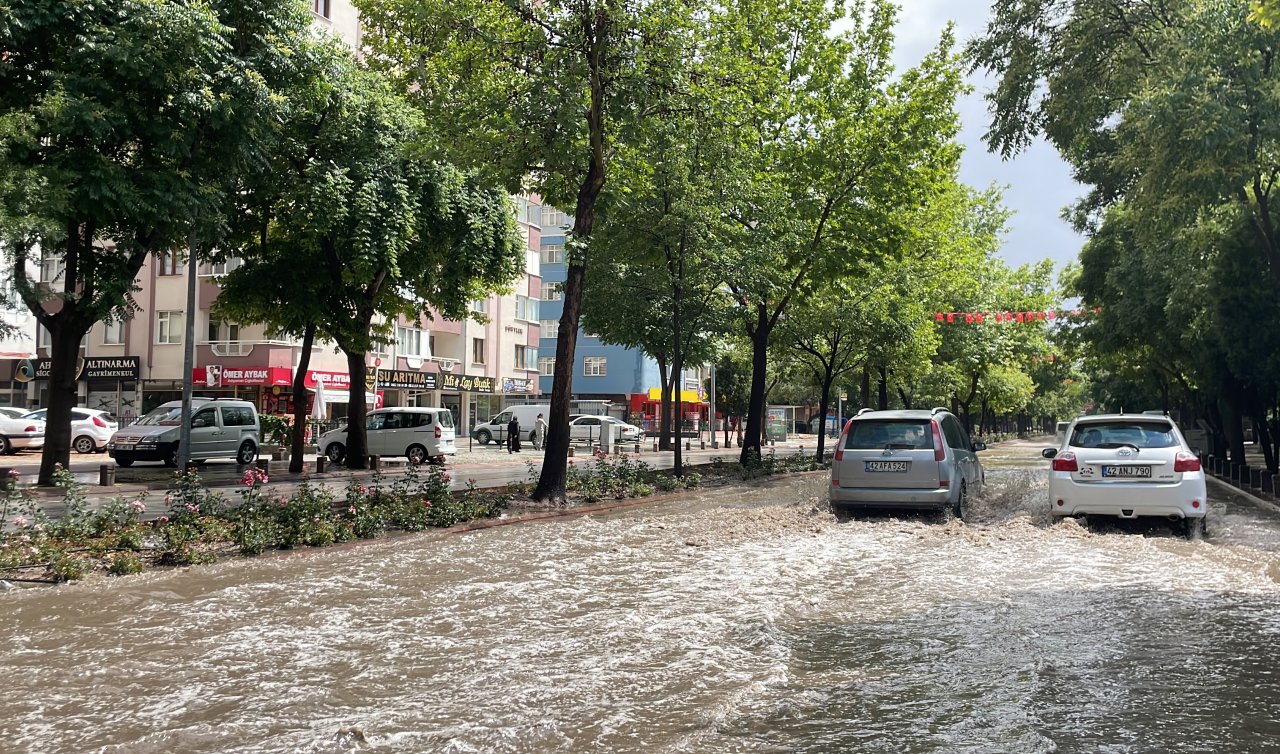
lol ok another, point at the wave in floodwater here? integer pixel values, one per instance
(730, 622)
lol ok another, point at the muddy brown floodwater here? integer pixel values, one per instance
(731, 621)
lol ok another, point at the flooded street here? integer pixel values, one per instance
(731, 622)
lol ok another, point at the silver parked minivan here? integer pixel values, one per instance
(907, 460)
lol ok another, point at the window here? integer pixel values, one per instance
(51, 267)
(431, 345)
(526, 308)
(478, 305)
(521, 209)
(221, 268)
(526, 357)
(551, 291)
(547, 365)
(42, 337)
(410, 342)
(553, 253)
(222, 332)
(477, 350)
(595, 366)
(113, 333)
(553, 218)
(237, 416)
(320, 8)
(169, 327)
(550, 328)
(171, 263)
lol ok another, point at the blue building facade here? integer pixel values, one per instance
(600, 372)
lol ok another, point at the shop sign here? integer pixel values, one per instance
(467, 383)
(516, 385)
(217, 375)
(401, 378)
(331, 380)
(88, 369)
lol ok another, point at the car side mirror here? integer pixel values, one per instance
(979, 446)
(1049, 452)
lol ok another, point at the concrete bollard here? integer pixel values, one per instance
(703, 443)
(374, 462)
(1269, 484)
(1255, 478)
(572, 451)
(688, 445)
(637, 447)
(106, 475)
(655, 445)
(320, 462)
(263, 464)
(1275, 485)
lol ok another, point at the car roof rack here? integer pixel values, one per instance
(863, 411)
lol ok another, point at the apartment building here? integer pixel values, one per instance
(620, 381)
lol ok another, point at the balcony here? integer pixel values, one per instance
(245, 347)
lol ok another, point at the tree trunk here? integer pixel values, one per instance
(866, 386)
(664, 410)
(298, 444)
(555, 459)
(357, 438)
(824, 403)
(759, 334)
(1233, 426)
(64, 353)
(882, 390)
(1264, 442)
(677, 366)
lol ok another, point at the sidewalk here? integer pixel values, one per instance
(485, 466)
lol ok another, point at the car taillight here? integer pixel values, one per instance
(1065, 461)
(437, 431)
(939, 450)
(30, 428)
(97, 420)
(840, 443)
(1185, 461)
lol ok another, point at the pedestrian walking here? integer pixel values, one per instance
(539, 432)
(513, 435)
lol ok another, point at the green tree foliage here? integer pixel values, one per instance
(122, 127)
(371, 230)
(1169, 112)
(538, 94)
(839, 151)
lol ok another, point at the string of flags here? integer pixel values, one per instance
(971, 318)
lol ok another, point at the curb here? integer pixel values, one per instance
(1244, 493)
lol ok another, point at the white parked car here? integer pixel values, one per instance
(91, 428)
(1128, 465)
(588, 428)
(17, 433)
(417, 433)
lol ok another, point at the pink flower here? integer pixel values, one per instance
(282, 500)
(20, 522)
(138, 506)
(163, 519)
(445, 476)
(168, 499)
(352, 510)
(192, 508)
(426, 503)
(13, 473)
(247, 479)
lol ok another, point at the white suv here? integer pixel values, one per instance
(1128, 466)
(91, 428)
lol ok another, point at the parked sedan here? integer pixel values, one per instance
(91, 428)
(589, 428)
(17, 433)
(1128, 466)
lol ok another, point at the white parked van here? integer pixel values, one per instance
(420, 434)
(496, 428)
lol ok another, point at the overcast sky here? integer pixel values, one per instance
(1037, 183)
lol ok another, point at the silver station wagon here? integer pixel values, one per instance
(905, 460)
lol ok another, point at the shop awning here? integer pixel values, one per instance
(686, 396)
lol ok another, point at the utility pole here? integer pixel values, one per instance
(188, 357)
(712, 416)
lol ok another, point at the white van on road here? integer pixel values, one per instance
(496, 428)
(420, 434)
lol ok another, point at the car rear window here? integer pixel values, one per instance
(446, 419)
(1115, 434)
(870, 434)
